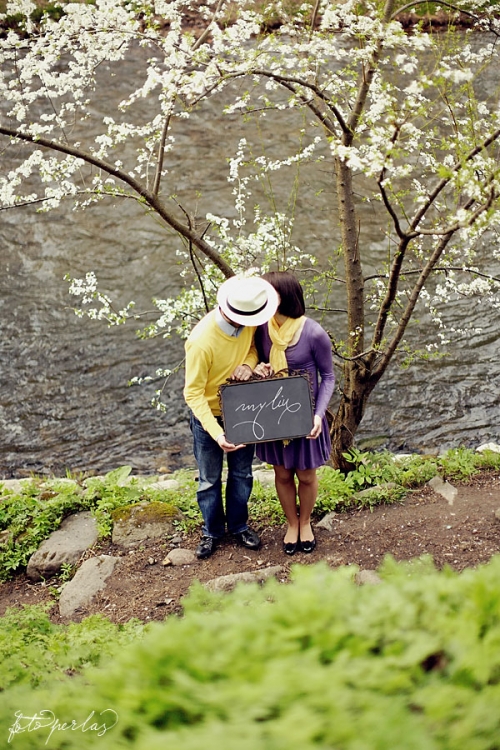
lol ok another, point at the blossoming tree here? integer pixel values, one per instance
(421, 146)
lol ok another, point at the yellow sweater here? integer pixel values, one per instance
(211, 357)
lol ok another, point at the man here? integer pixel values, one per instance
(219, 347)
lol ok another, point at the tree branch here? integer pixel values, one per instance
(390, 295)
(314, 16)
(206, 33)
(441, 269)
(367, 78)
(396, 268)
(461, 225)
(446, 180)
(146, 195)
(410, 6)
(161, 154)
(379, 370)
(290, 82)
(385, 197)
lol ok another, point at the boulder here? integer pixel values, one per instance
(264, 476)
(66, 545)
(227, 583)
(164, 484)
(494, 447)
(328, 521)
(134, 523)
(370, 577)
(180, 556)
(443, 488)
(13, 486)
(88, 581)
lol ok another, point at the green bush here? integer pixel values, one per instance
(31, 515)
(412, 663)
(35, 651)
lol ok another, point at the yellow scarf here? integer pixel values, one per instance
(281, 336)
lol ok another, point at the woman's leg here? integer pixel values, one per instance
(308, 493)
(284, 480)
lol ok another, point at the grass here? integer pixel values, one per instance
(30, 515)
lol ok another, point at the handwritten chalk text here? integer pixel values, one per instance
(278, 404)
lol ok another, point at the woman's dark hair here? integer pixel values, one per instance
(290, 291)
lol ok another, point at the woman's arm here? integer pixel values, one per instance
(322, 351)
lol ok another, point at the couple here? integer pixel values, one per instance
(258, 327)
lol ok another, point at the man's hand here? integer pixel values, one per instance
(242, 372)
(226, 446)
(316, 430)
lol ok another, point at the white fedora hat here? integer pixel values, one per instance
(248, 301)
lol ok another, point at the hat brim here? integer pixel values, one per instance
(257, 319)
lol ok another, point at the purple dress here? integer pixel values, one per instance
(312, 354)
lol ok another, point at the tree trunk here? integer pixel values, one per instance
(358, 385)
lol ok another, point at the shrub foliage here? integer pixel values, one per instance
(411, 663)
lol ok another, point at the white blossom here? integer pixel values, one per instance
(414, 146)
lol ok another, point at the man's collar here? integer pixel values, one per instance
(226, 326)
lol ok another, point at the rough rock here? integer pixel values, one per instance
(4, 536)
(377, 488)
(14, 486)
(264, 476)
(134, 523)
(88, 581)
(227, 583)
(165, 484)
(370, 577)
(328, 521)
(489, 447)
(181, 556)
(76, 534)
(443, 488)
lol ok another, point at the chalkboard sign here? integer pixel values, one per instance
(256, 411)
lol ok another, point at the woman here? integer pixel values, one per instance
(291, 340)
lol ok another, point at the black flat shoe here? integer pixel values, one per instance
(206, 547)
(248, 538)
(290, 548)
(308, 546)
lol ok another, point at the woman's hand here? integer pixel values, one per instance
(316, 430)
(263, 370)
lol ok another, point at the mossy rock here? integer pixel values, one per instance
(134, 523)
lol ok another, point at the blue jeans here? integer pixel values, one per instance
(209, 456)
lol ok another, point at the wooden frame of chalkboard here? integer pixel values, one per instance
(257, 411)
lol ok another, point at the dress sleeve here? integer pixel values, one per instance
(322, 351)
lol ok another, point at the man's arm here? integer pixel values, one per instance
(197, 369)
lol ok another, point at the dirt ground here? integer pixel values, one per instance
(462, 535)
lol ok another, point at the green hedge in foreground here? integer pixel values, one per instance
(410, 664)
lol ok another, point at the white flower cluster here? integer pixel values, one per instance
(87, 290)
(421, 143)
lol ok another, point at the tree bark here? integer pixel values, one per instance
(357, 387)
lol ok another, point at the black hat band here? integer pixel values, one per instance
(243, 312)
